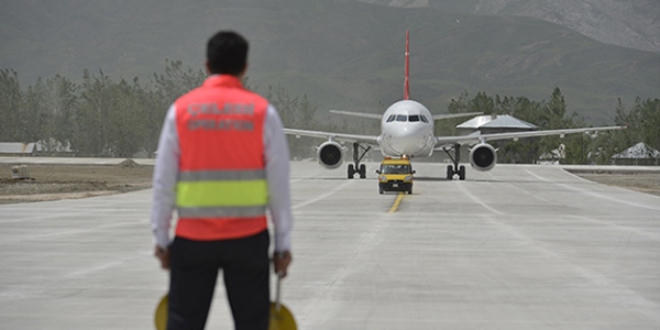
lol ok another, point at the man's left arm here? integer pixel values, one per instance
(277, 175)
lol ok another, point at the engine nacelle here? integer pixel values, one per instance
(329, 154)
(483, 157)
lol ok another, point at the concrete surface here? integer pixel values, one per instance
(519, 247)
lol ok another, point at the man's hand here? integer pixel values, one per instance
(281, 260)
(163, 256)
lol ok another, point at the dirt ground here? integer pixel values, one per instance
(646, 182)
(54, 182)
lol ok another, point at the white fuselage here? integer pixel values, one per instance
(407, 130)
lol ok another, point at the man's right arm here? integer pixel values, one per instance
(164, 181)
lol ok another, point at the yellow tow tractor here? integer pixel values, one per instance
(395, 175)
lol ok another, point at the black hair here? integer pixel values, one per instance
(226, 53)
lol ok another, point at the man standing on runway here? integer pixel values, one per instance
(222, 162)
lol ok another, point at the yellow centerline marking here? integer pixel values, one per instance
(397, 201)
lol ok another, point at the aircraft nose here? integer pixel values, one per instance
(407, 140)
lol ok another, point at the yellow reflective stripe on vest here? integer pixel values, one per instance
(221, 193)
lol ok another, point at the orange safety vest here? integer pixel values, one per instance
(222, 191)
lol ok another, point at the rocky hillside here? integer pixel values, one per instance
(343, 54)
(632, 23)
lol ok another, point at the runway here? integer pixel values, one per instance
(519, 247)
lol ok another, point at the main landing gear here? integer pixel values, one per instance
(358, 153)
(455, 169)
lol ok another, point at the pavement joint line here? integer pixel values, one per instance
(631, 230)
(594, 277)
(322, 196)
(478, 200)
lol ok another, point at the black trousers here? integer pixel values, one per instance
(194, 267)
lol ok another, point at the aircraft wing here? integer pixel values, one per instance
(478, 137)
(368, 139)
(456, 115)
(380, 116)
(358, 114)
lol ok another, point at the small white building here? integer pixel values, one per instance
(554, 156)
(17, 148)
(52, 147)
(639, 154)
(494, 124)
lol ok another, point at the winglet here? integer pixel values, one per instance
(406, 83)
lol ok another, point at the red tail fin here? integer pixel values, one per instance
(406, 83)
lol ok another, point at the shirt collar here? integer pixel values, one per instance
(223, 80)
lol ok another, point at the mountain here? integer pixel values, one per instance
(343, 54)
(631, 23)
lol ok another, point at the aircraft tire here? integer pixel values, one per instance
(450, 172)
(351, 171)
(461, 173)
(363, 171)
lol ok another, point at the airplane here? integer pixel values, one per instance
(407, 131)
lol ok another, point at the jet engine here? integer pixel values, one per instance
(483, 157)
(329, 154)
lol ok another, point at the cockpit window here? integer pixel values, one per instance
(402, 118)
(413, 118)
(391, 118)
(424, 119)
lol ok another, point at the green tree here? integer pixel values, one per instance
(482, 103)
(48, 106)
(553, 115)
(168, 86)
(524, 150)
(460, 105)
(91, 131)
(295, 112)
(11, 99)
(63, 95)
(650, 122)
(34, 116)
(152, 111)
(123, 119)
(642, 120)
(546, 115)
(176, 81)
(526, 109)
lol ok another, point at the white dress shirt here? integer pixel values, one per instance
(277, 175)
